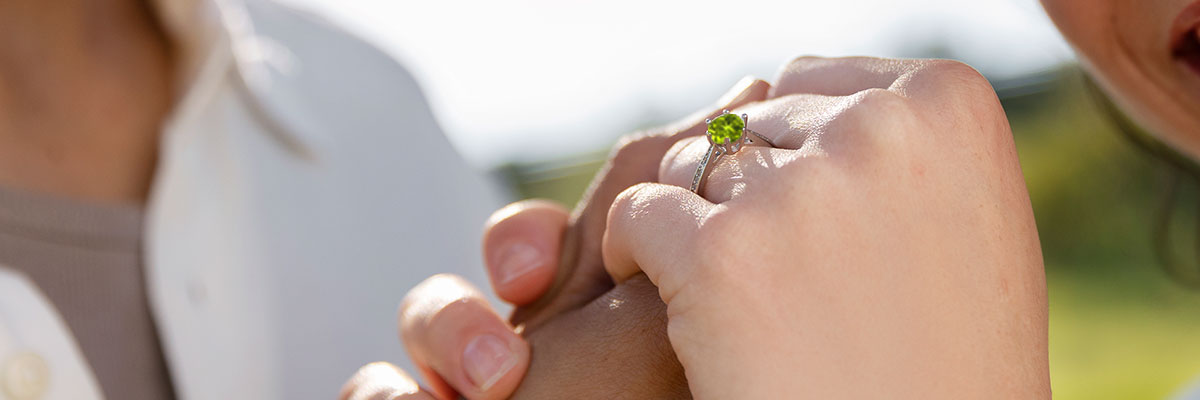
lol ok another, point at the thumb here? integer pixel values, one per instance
(652, 229)
(581, 275)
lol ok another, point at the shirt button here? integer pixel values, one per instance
(26, 376)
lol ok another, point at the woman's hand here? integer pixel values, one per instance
(592, 340)
(887, 249)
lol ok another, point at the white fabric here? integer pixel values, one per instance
(303, 187)
(29, 327)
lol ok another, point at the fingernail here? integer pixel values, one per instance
(486, 359)
(516, 260)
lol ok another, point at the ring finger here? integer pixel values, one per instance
(725, 177)
(799, 125)
(789, 122)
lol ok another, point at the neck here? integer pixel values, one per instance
(84, 85)
(36, 34)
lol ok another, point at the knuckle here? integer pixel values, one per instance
(678, 165)
(880, 116)
(436, 286)
(881, 101)
(629, 207)
(954, 85)
(523, 208)
(809, 63)
(799, 69)
(635, 144)
(378, 380)
(639, 151)
(629, 203)
(804, 62)
(964, 99)
(430, 298)
(955, 70)
(961, 79)
(454, 313)
(626, 146)
(628, 141)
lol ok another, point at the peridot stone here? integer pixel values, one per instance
(726, 128)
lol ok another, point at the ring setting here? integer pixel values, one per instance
(727, 133)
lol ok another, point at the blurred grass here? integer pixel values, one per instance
(1119, 328)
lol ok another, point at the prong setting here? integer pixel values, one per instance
(728, 145)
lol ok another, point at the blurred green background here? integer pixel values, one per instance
(1119, 327)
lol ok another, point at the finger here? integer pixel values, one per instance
(613, 347)
(457, 339)
(837, 76)
(382, 381)
(650, 229)
(789, 122)
(746, 91)
(581, 275)
(726, 176)
(521, 245)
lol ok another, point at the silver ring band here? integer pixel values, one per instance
(703, 165)
(721, 142)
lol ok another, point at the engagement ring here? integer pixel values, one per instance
(726, 135)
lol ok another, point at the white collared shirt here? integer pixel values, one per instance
(303, 186)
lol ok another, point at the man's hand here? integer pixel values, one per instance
(589, 338)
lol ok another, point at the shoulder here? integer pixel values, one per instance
(315, 38)
(319, 50)
(333, 85)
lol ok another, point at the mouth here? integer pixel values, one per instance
(1185, 38)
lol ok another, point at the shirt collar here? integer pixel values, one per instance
(217, 40)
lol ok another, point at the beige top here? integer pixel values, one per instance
(86, 258)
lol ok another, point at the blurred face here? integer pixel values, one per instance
(1146, 55)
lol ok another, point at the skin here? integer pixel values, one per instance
(853, 131)
(86, 85)
(592, 339)
(61, 133)
(84, 88)
(1131, 49)
(892, 223)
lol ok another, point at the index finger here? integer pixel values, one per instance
(521, 244)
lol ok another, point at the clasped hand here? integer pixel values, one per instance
(885, 248)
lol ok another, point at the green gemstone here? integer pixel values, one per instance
(726, 128)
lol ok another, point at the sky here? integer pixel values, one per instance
(529, 80)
